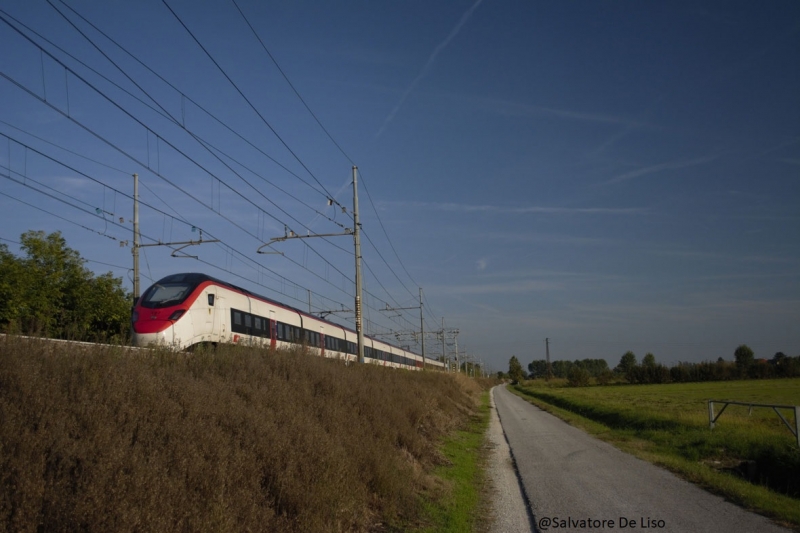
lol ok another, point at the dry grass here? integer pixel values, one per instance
(234, 440)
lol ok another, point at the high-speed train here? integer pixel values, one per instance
(183, 310)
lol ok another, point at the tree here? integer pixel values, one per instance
(515, 371)
(49, 292)
(538, 368)
(744, 358)
(649, 360)
(626, 363)
(11, 290)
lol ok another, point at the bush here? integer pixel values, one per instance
(578, 377)
(605, 377)
(50, 293)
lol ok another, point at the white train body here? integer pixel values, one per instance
(183, 310)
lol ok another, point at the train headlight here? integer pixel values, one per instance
(177, 314)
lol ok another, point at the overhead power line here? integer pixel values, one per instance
(253, 107)
(188, 158)
(338, 146)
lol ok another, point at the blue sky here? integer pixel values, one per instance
(609, 175)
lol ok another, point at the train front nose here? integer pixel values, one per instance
(152, 326)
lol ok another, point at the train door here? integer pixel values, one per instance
(322, 341)
(273, 330)
(211, 316)
(222, 317)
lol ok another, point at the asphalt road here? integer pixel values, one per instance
(575, 482)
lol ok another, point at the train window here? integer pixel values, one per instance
(166, 294)
(248, 321)
(211, 300)
(257, 323)
(237, 317)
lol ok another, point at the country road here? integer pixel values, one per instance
(575, 482)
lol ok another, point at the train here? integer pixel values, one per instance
(185, 310)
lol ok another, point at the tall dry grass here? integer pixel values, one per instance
(234, 440)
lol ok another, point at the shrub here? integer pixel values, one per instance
(578, 377)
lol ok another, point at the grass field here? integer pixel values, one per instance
(752, 459)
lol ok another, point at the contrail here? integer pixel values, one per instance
(652, 169)
(429, 64)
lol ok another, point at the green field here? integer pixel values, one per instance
(750, 458)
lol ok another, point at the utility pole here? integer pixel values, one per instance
(421, 322)
(136, 243)
(454, 333)
(422, 328)
(356, 233)
(549, 367)
(357, 244)
(444, 353)
(458, 365)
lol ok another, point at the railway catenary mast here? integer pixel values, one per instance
(136, 238)
(357, 243)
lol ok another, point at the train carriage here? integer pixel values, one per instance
(183, 310)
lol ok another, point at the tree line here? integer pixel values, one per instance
(47, 291)
(744, 366)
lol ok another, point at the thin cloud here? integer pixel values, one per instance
(500, 209)
(427, 67)
(512, 286)
(555, 238)
(516, 109)
(654, 169)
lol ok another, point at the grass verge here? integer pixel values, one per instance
(457, 506)
(665, 447)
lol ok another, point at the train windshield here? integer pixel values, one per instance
(171, 290)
